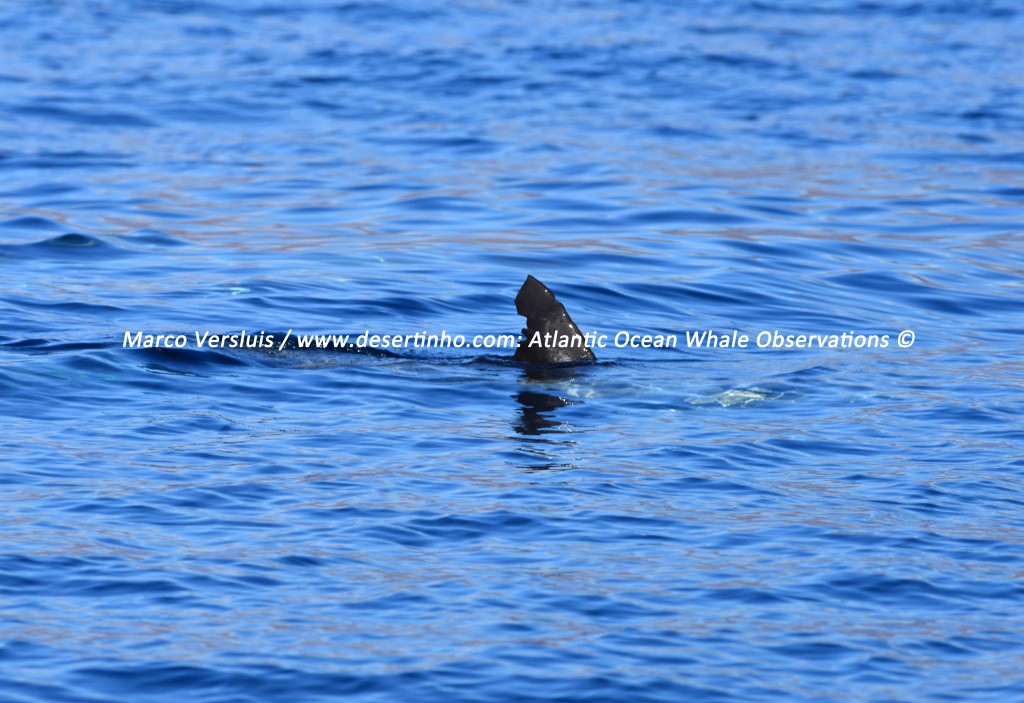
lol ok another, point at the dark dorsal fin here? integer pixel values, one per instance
(546, 316)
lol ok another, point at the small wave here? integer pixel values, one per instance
(71, 246)
(30, 223)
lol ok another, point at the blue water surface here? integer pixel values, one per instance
(668, 524)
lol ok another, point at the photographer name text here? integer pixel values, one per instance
(623, 339)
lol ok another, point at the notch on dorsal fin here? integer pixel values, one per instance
(551, 335)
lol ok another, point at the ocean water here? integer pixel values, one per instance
(683, 523)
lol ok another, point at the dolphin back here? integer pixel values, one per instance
(551, 335)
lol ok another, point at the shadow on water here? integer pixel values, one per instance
(536, 413)
(543, 433)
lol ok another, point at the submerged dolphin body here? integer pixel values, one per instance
(551, 335)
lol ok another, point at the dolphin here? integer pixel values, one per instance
(551, 337)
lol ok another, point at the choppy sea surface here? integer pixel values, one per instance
(668, 524)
